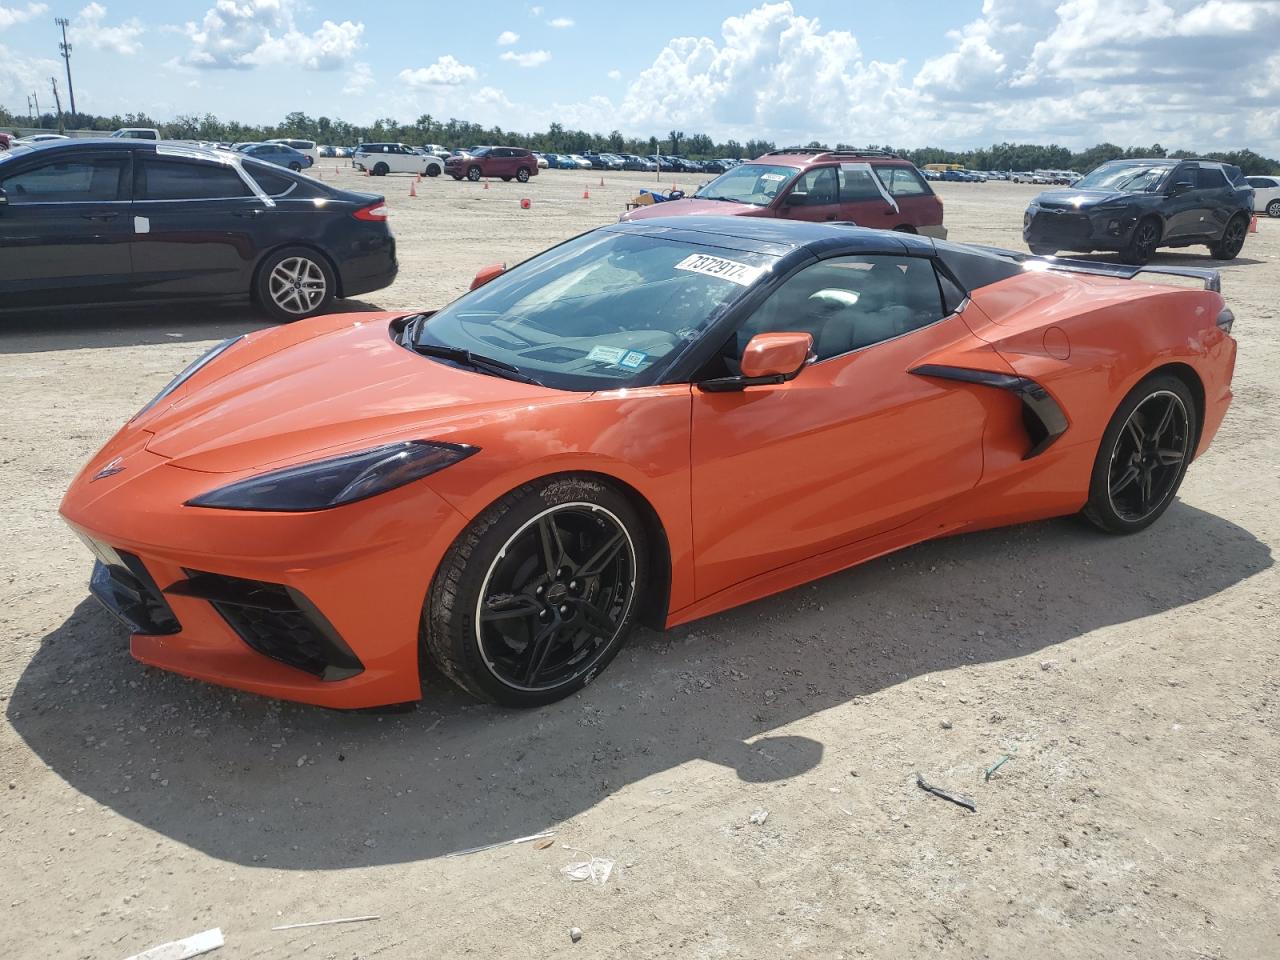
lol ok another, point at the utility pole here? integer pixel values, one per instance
(53, 82)
(65, 48)
(39, 115)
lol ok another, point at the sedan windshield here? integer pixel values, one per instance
(605, 310)
(1124, 177)
(753, 183)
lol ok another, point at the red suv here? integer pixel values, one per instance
(504, 162)
(869, 188)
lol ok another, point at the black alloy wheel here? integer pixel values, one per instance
(1228, 247)
(1144, 456)
(539, 593)
(1142, 245)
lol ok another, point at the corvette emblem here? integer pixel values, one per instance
(110, 470)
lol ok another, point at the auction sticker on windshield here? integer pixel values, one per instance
(739, 273)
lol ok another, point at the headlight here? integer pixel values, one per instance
(333, 482)
(189, 371)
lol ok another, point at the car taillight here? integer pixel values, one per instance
(1226, 319)
(375, 211)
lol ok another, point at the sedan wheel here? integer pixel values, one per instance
(1273, 208)
(295, 283)
(1144, 454)
(539, 594)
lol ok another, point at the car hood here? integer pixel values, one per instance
(1069, 199)
(695, 206)
(344, 386)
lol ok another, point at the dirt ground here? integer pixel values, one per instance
(1135, 683)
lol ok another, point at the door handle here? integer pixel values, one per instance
(99, 216)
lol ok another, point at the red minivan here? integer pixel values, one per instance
(870, 189)
(504, 162)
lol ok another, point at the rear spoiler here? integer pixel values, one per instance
(1212, 279)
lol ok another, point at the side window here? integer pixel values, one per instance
(1210, 178)
(92, 180)
(857, 185)
(902, 181)
(159, 179)
(1182, 174)
(273, 184)
(815, 187)
(848, 303)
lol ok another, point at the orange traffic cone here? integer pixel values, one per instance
(366, 171)
(1253, 224)
(413, 188)
(486, 184)
(602, 181)
(586, 194)
(336, 171)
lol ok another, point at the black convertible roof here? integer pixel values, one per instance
(778, 238)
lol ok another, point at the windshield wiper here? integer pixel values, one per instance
(725, 199)
(477, 361)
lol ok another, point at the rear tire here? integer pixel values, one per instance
(1273, 208)
(539, 593)
(433, 170)
(381, 169)
(1142, 243)
(294, 283)
(1143, 456)
(295, 166)
(1229, 245)
(522, 175)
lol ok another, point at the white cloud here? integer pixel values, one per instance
(88, 27)
(359, 80)
(507, 37)
(560, 23)
(614, 74)
(534, 58)
(11, 15)
(20, 75)
(241, 34)
(535, 11)
(447, 71)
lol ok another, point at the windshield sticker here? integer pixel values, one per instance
(772, 176)
(739, 273)
(632, 360)
(607, 354)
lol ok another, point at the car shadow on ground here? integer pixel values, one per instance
(246, 779)
(78, 328)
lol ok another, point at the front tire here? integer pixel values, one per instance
(539, 593)
(1229, 245)
(1040, 250)
(1142, 243)
(1273, 208)
(433, 170)
(1143, 456)
(473, 174)
(294, 283)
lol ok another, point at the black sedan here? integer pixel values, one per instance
(127, 221)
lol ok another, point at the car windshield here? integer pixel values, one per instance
(605, 310)
(754, 183)
(1124, 177)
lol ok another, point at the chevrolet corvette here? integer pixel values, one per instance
(646, 424)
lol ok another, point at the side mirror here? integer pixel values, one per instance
(1182, 186)
(796, 198)
(770, 358)
(485, 274)
(4, 197)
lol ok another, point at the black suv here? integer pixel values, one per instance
(1136, 206)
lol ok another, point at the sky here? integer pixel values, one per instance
(1196, 74)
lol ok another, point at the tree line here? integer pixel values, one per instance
(557, 139)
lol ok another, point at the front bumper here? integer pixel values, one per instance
(1082, 230)
(321, 608)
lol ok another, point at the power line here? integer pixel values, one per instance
(65, 49)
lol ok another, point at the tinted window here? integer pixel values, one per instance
(847, 303)
(273, 184)
(858, 185)
(902, 181)
(67, 181)
(1210, 178)
(816, 187)
(182, 180)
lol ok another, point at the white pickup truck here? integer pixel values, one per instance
(383, 158)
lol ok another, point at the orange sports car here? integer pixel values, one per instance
(649, 423)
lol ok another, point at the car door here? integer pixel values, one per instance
(864, 200)
(853, 447)
(1186, 204)
(1218, 201)
(64, 231)
(194, 226)
(813, 196)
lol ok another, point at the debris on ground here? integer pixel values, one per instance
(502, 843)
(192, 946)
(760, 816)
(575, 934)
(991, 770)
(955, 798)
(325, 923)
(544, 844)
(597, 870)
